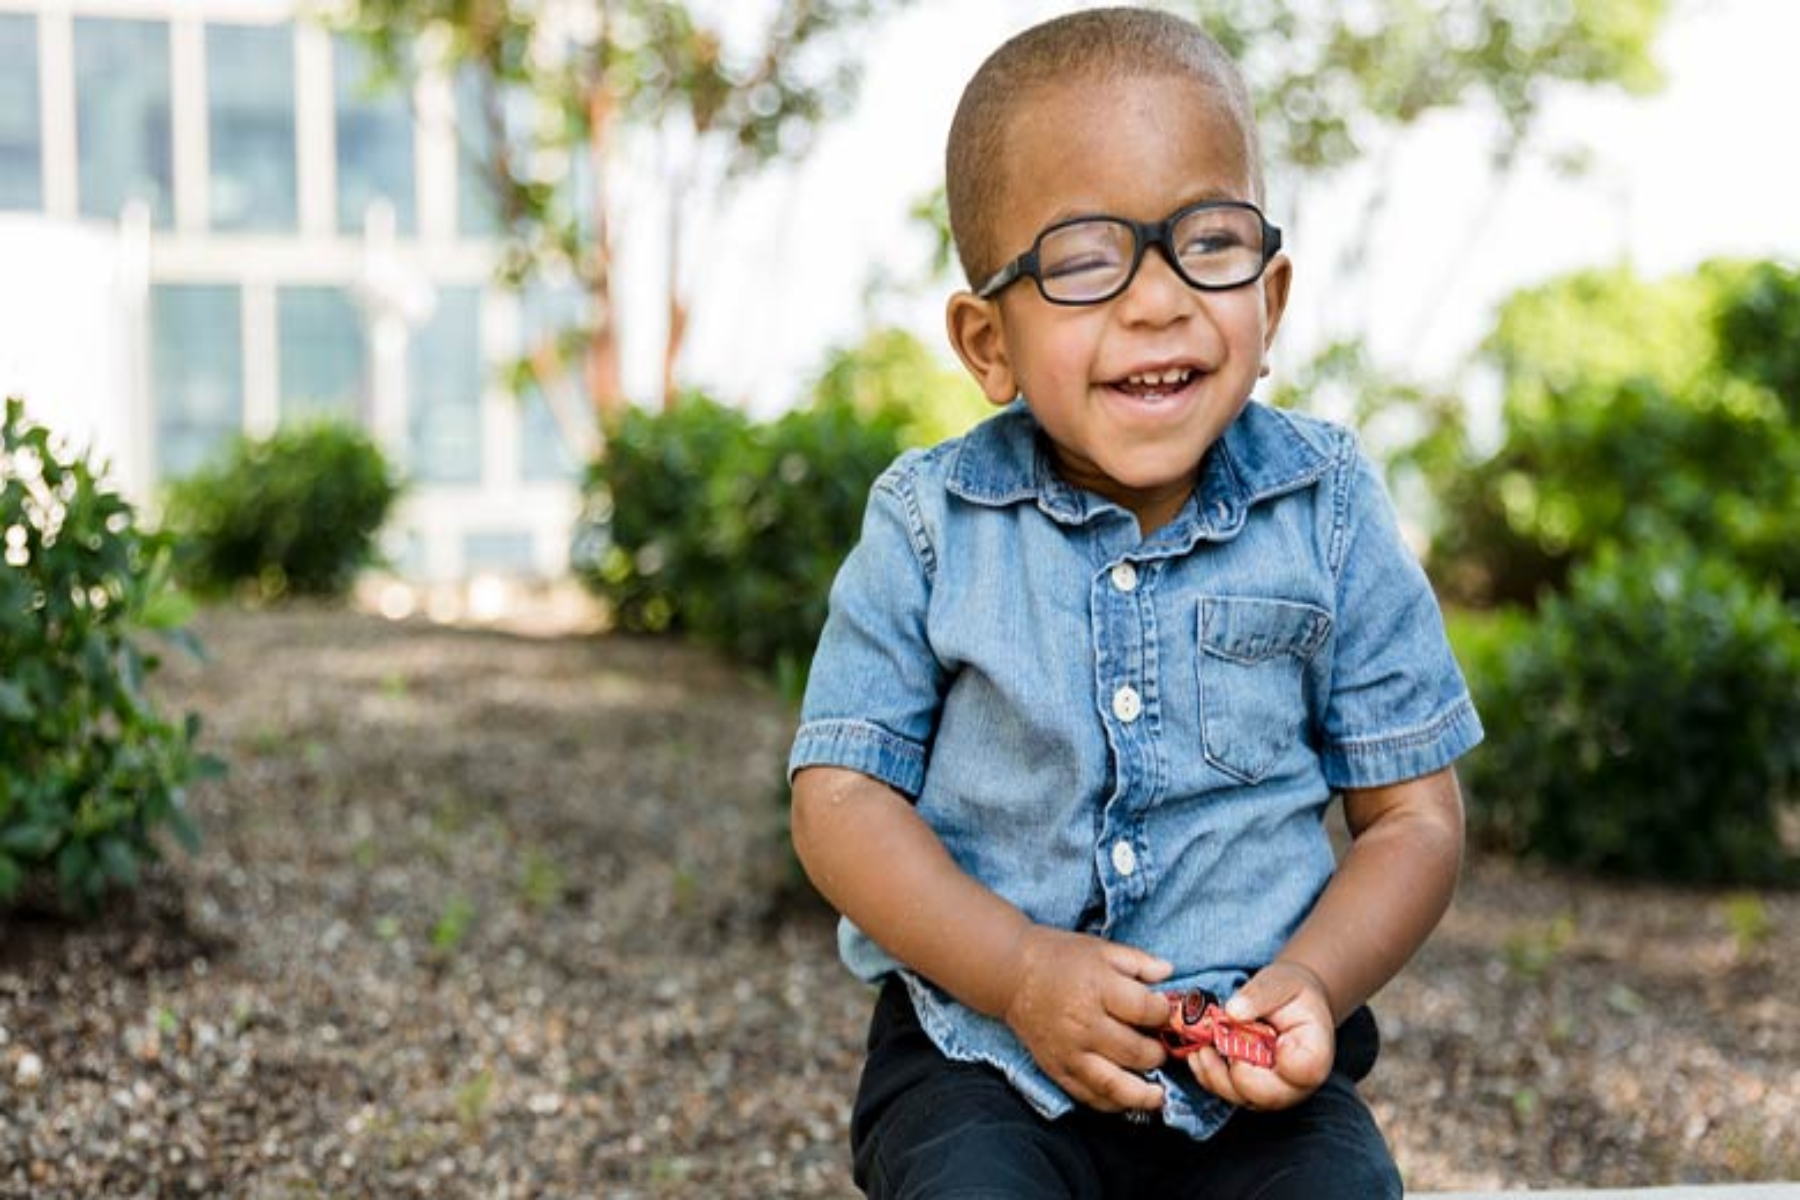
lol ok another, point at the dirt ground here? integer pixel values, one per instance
(489, 915)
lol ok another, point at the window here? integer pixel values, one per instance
(324, 354)
(477, 200)
(503, 553)
(21, 142)
(544, 453)
(250, 125)
(444, 405)
(122, 125)
(197, 372)
(374, 141)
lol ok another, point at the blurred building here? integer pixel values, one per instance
(211, 222)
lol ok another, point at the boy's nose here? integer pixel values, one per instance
(1156, 293)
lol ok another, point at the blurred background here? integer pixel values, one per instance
(470, 229)
(604, 315)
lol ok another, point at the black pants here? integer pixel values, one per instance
(925, 1126)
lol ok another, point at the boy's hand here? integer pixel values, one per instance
(1081, 1006)
(1291, 998)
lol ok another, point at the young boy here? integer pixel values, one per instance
(1096, 669)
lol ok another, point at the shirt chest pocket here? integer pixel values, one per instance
(1253, 658)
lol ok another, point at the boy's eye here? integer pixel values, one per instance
(1084, 248)
(1090, 262)
(1207, 243)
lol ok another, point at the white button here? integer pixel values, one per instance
(1124, 577)
(1124, 858)
(1127, 704)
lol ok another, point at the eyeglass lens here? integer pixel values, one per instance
(1091, 259)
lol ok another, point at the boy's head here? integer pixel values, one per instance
(1106, 202)
(1105, 195)
(1122, 46)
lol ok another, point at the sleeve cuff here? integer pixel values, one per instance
(860, 746)
(1407, 754)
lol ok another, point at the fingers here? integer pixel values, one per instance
(1267, 992)
(1243, 1085)
(1101, 1084)
(1129, 960)
(1132, 1003)
(1275, 987)
(1130, 1048)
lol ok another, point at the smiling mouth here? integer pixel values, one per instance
(1156, 383)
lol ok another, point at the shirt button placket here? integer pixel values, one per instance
(1127, 706)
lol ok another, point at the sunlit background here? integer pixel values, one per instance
(1694, 170)
(464, 898)
(212, 222)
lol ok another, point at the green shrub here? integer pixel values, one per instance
(641, 542)
(1634, 411)
(892, 375)
(292, 514)
(88, 769)
(1647, 723)
(699, 520)
(786, 506)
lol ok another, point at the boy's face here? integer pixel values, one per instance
(1134, 390)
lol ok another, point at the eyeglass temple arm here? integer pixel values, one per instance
(1002, 278)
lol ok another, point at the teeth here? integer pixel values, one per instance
(1159, 378)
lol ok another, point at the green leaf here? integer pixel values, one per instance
(184, 829)
(168, 610)
(11, 876)
(15, 702)
(74, 867)
(30, 840)
(118, 861)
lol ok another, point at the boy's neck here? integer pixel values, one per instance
(1153, 507)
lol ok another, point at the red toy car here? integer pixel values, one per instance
(1197, 1019)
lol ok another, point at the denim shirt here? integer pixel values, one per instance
(1132, 737)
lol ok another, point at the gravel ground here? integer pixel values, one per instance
(497, 916)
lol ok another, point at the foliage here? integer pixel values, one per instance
(786, 508)
(561, 89)
(292, 514)
(702, 521)
(91, 770)
(892, 372)
(1759, 322)
(1633, 411)
(1330, 78)
(1645, 497)
(1645, 723)
(642, 539)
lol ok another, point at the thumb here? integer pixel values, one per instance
(1266, 992)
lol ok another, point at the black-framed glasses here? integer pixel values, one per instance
(1214, 246)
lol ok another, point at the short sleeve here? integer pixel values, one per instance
(875, 688)
(1397, 705)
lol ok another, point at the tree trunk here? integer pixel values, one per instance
(604, 380)
(678, 309)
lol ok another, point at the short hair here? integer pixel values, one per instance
(1099, 44)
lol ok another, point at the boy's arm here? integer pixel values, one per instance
(1079, 1003)
(1391, 889)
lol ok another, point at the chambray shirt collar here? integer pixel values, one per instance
(1262, 454)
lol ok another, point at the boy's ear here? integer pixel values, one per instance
(1277, 279)
(978, 336)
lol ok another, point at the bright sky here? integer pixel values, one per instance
(1704, 168)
